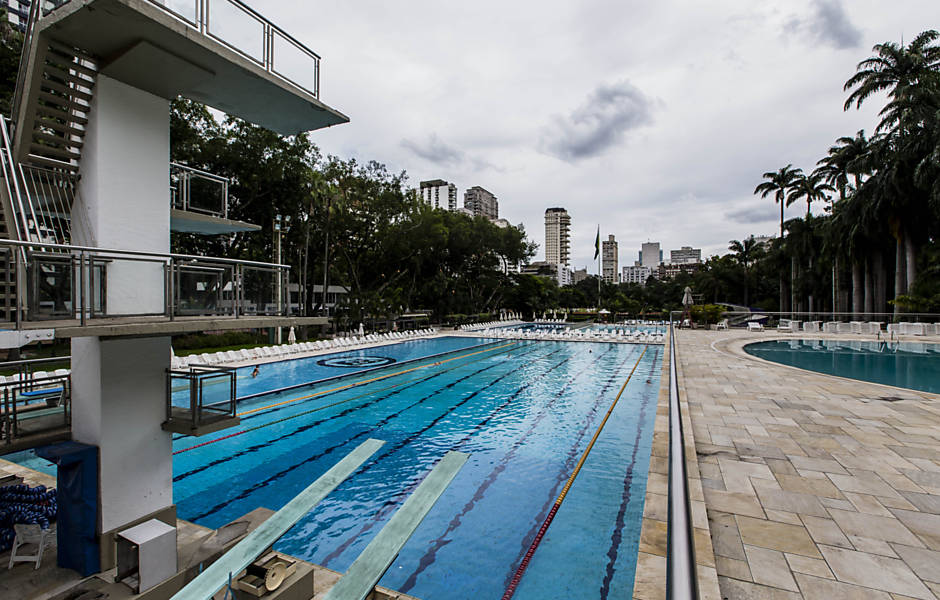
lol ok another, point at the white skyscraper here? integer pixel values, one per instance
(439, 194)
(609, 260)
(557, 241)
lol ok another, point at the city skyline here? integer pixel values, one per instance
(645, 133)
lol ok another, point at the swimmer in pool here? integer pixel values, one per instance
(255, 372)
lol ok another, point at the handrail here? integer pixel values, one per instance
(681, 580)
(230, 261)
(200, 23)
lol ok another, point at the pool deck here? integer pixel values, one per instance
(814, 486)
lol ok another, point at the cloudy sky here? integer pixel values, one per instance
(653, 119)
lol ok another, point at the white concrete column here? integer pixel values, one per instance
(118, 385)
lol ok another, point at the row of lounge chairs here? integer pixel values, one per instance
(37, 376)
(585, 335)
(487, 325)
(859, 327)
(286, 350)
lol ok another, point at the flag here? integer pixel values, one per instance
(597, 243)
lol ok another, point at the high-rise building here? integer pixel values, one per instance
(636, 274)
(439, 194)
(650, 255)
(481, 202)
(609, 260)
(579, 275)
(687, 255)
(18, 10)
(557, 236)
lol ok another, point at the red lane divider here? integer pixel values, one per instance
(517, 576)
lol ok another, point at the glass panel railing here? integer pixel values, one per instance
(293, 62)
(237, 28)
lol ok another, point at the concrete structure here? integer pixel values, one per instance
(551, 270)
(557, 236)
(18, 10)
(636, 275)
(685, 256)
(609, 260)
(481, 203)
(439, 194)
(651, 255)
(118, 62)
(579, 275)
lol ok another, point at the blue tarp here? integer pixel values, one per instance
(77, 521)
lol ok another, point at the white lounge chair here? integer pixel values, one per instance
(35, 536)
(754, 326)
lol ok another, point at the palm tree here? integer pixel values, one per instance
(745, 252)
(778, 183)
(812, 187)
(905, 73)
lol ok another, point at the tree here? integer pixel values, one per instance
(746, 252)
(778, 183)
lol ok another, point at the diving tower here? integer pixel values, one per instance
(91, 124)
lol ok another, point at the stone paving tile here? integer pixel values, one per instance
(813, 486)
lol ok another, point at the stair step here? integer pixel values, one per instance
(52, 163)
(60, 127)
(69, 91)
(61, 141)
(70, 52)
(71, 73)
(67, 103)
(62, 115)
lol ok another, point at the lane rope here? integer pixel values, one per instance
(332, 404)
(517, 576)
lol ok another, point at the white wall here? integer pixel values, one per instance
(124, 191)
(118, 404)
(118, 386)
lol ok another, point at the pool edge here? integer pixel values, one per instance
(649, 581)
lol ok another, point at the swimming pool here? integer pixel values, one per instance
(912, 365)
(524, 411)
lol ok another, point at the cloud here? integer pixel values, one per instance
(434, 150)
(600, 123)
(828, 25)
(751, 215)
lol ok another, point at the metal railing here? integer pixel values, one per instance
(200, 394)
(681, 579)
(57, 281)
(244, 30)
(199, 191)
(33, 402)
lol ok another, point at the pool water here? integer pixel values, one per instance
(912, 365)
(524, 412)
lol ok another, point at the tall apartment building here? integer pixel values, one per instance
(650, 255)
(481, 203)
(439, 194)
(636, 274)
(557, 236)
(18, 10)
(609, 260)
(579, 275)
(687, 255)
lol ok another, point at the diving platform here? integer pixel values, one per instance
(362, 576)
(233, 562)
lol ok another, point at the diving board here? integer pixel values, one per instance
(246, 551)
(368, 568)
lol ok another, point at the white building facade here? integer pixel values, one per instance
(439, 194)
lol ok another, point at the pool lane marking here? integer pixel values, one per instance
(517, 576)
(397, 498)
(402, 385)
(430, 555)
(400, 388)
(248, 491)
(616, 537)
(371, 380)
